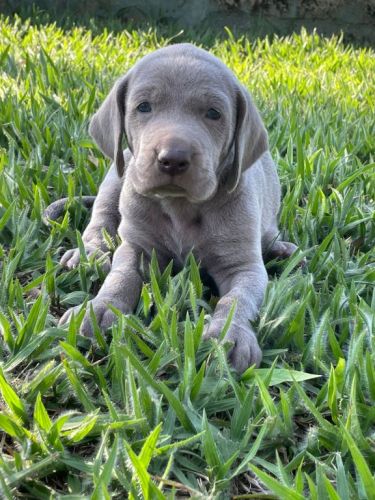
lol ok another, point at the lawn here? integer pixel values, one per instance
(151, 409)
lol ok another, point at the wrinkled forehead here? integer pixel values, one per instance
(184, 71)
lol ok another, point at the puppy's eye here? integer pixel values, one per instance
(213, 114)
(144, 107)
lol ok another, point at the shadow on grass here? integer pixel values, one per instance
(134, 20)
(211, 30)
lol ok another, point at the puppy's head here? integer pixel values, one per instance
(188, 122)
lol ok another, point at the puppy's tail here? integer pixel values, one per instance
(53, 211)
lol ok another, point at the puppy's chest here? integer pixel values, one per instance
(169, 227)
(184, 233)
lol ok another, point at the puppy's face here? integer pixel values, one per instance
(188, 121)
(179, 121)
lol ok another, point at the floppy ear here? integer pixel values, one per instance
(108, 123)
(250, 138)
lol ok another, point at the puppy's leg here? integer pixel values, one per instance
(244, 287)
(274, 248)
(105, 214)
(281, 249)
(121, 289)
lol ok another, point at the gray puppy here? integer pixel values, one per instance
(197, 176)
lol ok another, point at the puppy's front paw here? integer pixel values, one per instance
(105, 317)
(71, 258)
(245, 351)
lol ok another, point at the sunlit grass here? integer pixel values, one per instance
(152, 410)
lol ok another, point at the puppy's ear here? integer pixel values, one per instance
(250, 137)
(108, 123)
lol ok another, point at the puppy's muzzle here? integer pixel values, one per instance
(174, 161)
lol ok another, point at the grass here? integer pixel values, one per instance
(151, 410)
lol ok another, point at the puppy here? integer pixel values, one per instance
(197, 176)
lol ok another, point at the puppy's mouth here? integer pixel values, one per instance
(168, 191)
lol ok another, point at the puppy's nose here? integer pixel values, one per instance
(174, 161)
